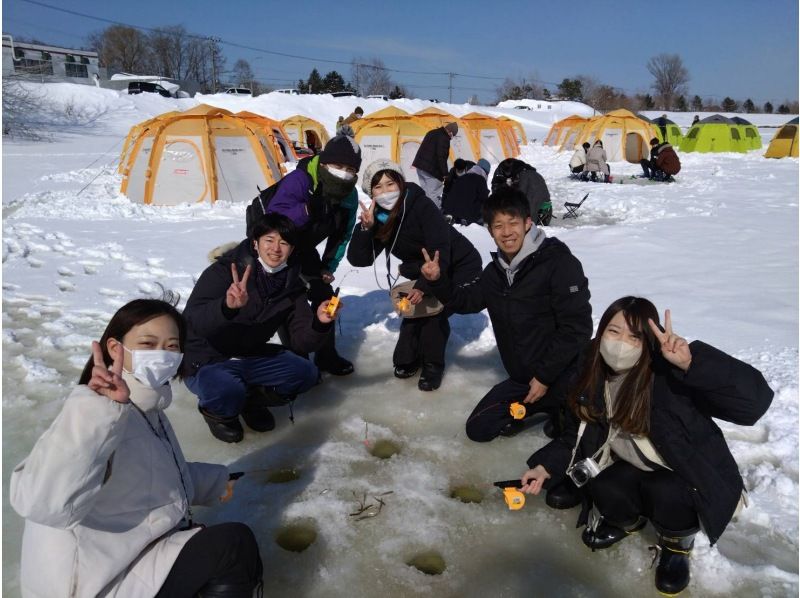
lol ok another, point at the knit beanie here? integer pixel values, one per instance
(451, 128)
(484, 164)
(374, 168)
(341, 150)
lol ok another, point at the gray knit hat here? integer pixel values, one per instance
(451, 128)
(374, 168)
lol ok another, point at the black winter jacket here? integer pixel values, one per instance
(465, 198)
(217, 333)
(433, 153)
(423, 226)
(682, 430)
(525, 178)
(541, 321)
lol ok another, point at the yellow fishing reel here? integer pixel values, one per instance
(404, 306)
(333, 304)
(518, 410)
(515, 499)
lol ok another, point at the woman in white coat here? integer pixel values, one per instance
(106, 492)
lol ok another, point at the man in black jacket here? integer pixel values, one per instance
(538, 301)
(524, 177)
(464, 200)
(431, 160)
(236, 307)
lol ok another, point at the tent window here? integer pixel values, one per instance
(693, 133)
(749, 133)
(735, 135)
(787, 132)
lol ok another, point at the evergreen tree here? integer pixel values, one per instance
(729, 104)
(311, 85)
(697, 103)
(546, 94)
(396, 93)
(571, 89)
(749, 106)
(647, 102)
(333, 82)
(768, 107)
(681, 104)
(783, 109)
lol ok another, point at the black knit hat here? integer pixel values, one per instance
(341, 150)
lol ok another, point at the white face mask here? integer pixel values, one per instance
(387, 200)
(154, 367)
(271, 269)
(145, 397)
(340, 174)
(618, 355)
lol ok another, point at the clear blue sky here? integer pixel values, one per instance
(740, 48)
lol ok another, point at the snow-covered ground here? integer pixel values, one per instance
(719, 248)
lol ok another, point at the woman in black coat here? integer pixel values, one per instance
(404, 222)
(643, 445)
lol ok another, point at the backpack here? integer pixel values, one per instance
(258, 207)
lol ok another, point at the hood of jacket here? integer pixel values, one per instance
(530, 244)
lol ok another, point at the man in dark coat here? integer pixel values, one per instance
(320, 197)
(663, 162)
(538, 301)
(463, 202)
(524, 177)
(431, 160)
(236, 307)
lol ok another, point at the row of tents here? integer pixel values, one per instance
(210, 154)
(626, 136)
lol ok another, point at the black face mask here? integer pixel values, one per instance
(334, 189)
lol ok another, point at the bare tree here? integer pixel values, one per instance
(522, 89)
(20, 103)
(169, 51)
(243, 74)
(670, 77)
(370, 77)
(121, 47)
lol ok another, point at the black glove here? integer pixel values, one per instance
(319, 291)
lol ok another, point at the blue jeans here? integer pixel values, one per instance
(221, 387)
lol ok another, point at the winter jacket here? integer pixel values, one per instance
(452, 175)
(433, 153)
(596, 160)
(578, 158)
(353, 117)
(465, 198)
(217, 333)
(666, 160)
(103, 501)
(301, 197)
(541, 320)
(422, 226)
(523, 177)
(682, 429)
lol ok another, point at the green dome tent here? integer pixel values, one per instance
(749, 133)
(714, 134)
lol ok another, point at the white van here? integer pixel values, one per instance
(293, 92)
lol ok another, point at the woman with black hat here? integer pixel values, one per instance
(405, 223)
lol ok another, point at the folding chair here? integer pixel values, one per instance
(572, 208)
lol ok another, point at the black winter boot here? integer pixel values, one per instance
(226, 429)
(564, 495)
(672, 573)
(256, 413)
(431, 377)
(606, 534)
(327, 359)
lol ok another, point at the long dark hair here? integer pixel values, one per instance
(385, 231)
(632, 406)
(129, 315)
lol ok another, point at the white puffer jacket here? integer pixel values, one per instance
(103, 501)
(578, 158)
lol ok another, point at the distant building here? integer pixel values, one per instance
(49, 63)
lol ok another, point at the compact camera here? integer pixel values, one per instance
(583, 471)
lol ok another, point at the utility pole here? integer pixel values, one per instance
(213, 44)
(451, 75)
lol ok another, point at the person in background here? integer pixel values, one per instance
(524, 177)
(641, 440)
(431, 160)
(596, 162)
(663, 162)
(577, 163)
(696, 119)
(538, 301)
(463, 203)
(403, 222)
(320, 198)
(354, 116)
(460, 166)
(236, 307)
(106, 492)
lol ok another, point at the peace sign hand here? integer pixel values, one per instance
(430, 269)
(367, 215)
(236, 296)
(674, 348)
(109, 383)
